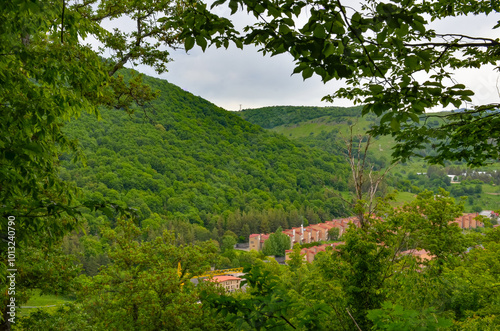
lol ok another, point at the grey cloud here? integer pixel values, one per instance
(232, 77)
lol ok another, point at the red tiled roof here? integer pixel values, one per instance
(315, 226)
(422, 253)
(219, 279)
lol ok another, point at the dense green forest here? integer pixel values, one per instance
(204, 174)
(271, 117)
(183, 158)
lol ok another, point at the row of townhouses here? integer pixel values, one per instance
(467, 221)
(319, 232)
(306, 235)
(308, 254)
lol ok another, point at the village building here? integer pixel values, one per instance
(308, 254)
(319, 232)
(256, 241)
(468, 221)
(229, 283)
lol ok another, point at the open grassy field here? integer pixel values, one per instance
(47, 302)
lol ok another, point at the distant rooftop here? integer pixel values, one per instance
(219, 279)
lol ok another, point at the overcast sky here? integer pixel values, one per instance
(237, 78)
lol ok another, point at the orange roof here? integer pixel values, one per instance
(319, 225)
(219, 279)
(422, 253)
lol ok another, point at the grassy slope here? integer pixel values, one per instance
(43, 302)
(382, 147)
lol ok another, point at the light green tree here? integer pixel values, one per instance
(227, 243)
(276, 244)
(50, 75)
(333, 234)
(147, 284)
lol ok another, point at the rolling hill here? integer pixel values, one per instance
(326, 127)
(183, 158)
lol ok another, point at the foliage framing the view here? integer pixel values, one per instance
(378, 47)
(49, 75)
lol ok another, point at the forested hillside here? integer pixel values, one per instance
(184, 158)
(271, 117)
(326, 128)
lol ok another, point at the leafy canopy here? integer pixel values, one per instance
(49, 75)
(379, 48)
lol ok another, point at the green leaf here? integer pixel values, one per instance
(376, 89)
(308, 72)
(414, 117)
(411, 62)
(233, 5)
(217, 3)
(202, 42)
(418, 26)
(259, 9)
(381, 36)
(395, 125)
(319, 32)
(328, 49)
(189, 42)
(239, 43)
(284, 29)
(356, 18)
(425, 55)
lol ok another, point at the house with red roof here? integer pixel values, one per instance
(256, 241)
(310, 252)
(229, 283)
